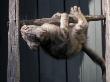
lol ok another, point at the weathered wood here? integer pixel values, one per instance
(107, 11)
(13, 70)
(57, 20)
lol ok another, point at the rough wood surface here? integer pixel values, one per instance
(57, 20)
(13, 70)
(107, 11)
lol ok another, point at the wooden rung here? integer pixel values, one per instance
(57, 20)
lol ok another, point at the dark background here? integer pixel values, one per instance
(3, 39)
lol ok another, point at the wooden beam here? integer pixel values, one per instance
(107, 53)
(13, 70)
(56, 20)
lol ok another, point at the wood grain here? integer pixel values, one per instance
(13, 70)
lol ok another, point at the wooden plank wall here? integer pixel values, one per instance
(29, 59)
(43, 68)
(91, 72)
